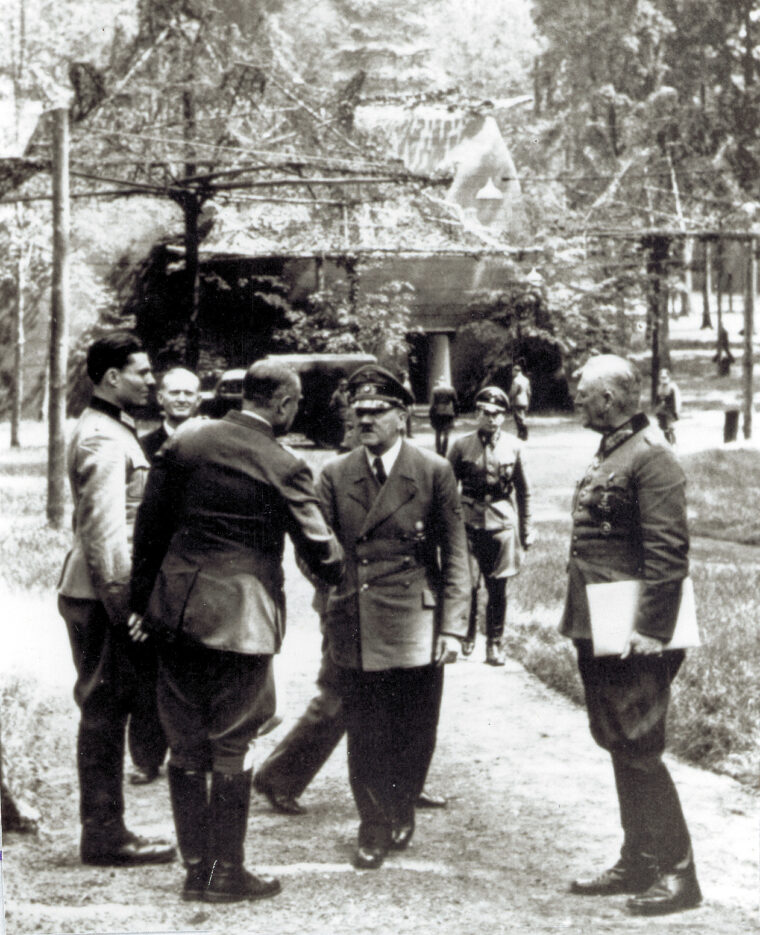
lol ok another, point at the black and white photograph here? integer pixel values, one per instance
(378, 467)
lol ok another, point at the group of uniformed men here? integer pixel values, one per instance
(387, 536)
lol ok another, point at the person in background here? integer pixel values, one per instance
(489, 465)
(107, 472)
(629, 521)
(399, 614)
(208, 585)
(668, 405)
(407, 384)
(519, 400)
(340, 407)
(179, 397)
(443, 411)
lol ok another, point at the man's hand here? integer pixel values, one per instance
(529, 539)
(446, 650)
(136, 631)
(640, 645)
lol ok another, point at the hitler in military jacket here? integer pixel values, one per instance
(629, 521)
(407, 578)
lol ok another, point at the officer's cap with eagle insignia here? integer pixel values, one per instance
(373, 387)
(492, 396)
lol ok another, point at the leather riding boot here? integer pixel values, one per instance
(229, 881)
(675, 889)
(189, 798)
(468, 644)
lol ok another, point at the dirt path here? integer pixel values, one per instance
(531, 804)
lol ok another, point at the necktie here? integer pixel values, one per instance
(379, 469)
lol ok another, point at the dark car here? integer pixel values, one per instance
(319, 375)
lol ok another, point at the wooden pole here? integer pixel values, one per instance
(59, 321)
(17, 394)
(749, 320)
(707, 286)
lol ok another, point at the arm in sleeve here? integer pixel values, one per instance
(102, 521)
(522, 496)
(661, 489)
(314, 541)
(452, 542)
(155, 525)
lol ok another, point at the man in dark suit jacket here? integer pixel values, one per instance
(629, 522)
(400, 611)
(208, 577)
(179, 397)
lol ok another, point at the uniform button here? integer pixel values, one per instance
(575, 551)
(365, 587)
(365, 561)
(575, 538)
(606, 528)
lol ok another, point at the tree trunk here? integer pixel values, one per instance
(18, 355)
(707, 287)
(59, 322)
(749, 318)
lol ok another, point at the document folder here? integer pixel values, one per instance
(612, 607)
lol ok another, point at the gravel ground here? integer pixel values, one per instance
(531, 804)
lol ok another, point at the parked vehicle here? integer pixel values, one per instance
(319, 375)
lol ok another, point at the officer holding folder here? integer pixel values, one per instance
(629, 524)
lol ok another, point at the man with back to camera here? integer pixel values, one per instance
(400, 611)
(629, 522)
(179, 397)
(208, 579)
(107, 472)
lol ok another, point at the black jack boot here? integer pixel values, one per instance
(189, 798)
(229, 881)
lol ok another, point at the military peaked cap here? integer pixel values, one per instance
(374, 387)
(492, 396)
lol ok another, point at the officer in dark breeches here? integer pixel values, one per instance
(629, 522)
(496, 500)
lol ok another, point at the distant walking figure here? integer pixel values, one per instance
(668, 408)
(443, 411)
(519, 400)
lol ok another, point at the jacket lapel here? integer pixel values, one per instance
(399, 488)
(361, 486)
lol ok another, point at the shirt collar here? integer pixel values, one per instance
(115, 412)
(612, 440)
(388, 459)
(486, 439)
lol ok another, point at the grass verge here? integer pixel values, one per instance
(714, 719)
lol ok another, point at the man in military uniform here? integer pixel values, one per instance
(399, 613)
(496, 498)
(208, 579)
(519, 399)
(107, 472)
(629, 522)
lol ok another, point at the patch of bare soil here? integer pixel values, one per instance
(531, 804)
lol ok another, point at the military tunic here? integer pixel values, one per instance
(495, 495)
(629, 521)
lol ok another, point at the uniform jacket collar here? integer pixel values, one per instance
(115, 412)
(255, 425)
(622, 433)
(379, 503)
